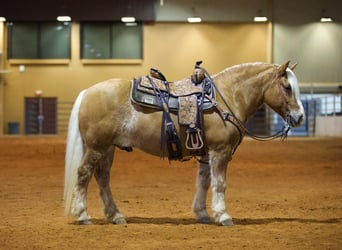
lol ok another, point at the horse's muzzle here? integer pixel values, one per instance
(295, 118)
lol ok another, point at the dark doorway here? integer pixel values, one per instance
(40, 115)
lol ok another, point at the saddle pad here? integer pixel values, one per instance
(179, 88)
(187, 112)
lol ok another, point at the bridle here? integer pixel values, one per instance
(232, 118)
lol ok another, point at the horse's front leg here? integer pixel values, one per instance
(202, 186)
(218, 162)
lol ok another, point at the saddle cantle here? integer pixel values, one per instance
(189, 97)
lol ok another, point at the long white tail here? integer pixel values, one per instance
(73, 155)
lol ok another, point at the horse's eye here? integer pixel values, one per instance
(287, 87)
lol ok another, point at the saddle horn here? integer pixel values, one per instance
(198, 75)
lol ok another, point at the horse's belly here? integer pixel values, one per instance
(143, 131)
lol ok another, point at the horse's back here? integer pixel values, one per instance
(114, 89)
(104, 96)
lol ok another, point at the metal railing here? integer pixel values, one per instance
(331, 105)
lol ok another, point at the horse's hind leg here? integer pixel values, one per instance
(102, 175)
(84, 174)
(202, 186)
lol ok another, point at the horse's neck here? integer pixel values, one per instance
(243, 87)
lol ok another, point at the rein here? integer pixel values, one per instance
(232, 118)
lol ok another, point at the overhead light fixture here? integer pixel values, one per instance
(326, 19)
(128, 19)
(194, 19)
(63, 18)
(2, 19)
(260, 17)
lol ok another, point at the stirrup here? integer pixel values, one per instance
(195, 139)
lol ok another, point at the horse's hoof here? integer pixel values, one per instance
(84, 222)
(227, 223)
(205, 220)
(119, 221)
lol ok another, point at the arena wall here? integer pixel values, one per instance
(328, 126)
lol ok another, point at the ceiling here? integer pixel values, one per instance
(78, 10)
(295, 11)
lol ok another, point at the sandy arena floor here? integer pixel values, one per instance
(281, 195)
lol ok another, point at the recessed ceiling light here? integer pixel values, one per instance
(63, 18)
(194, 19)
(326, 19)
(260, 19)
(128, 19)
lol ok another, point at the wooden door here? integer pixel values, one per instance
(40, 115)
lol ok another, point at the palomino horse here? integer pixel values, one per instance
(104, 118)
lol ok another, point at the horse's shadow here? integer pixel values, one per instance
(261, 221)
(237, 221)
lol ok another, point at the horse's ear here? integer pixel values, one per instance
(282, 68)
(293, 66)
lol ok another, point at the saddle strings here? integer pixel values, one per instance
(281, 133)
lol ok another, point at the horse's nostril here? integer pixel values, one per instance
(300, 118)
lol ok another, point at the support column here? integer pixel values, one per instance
(2, 81)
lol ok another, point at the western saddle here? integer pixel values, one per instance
(188, 97)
